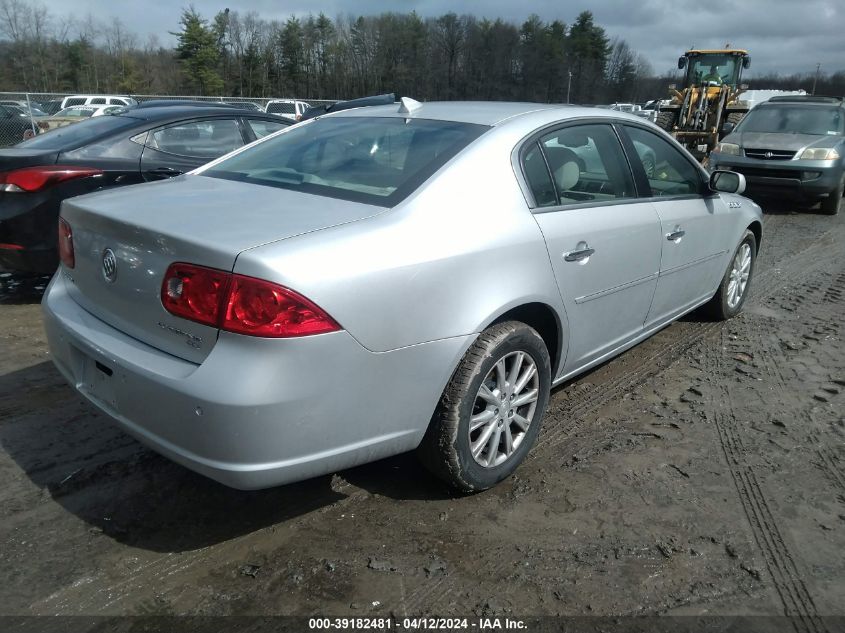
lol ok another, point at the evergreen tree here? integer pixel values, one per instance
(198, 52)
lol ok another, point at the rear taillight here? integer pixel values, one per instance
(240, 304)
(195, 293)
(31, 179)
(66, 244)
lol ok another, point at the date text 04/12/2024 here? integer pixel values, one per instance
(415, 624)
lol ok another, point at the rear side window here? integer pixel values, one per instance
(375, 160)
(537, 175)
(587, 164)
(78, 134)
(200, 139)
(262, 128)
(73, 102)
(98, 101)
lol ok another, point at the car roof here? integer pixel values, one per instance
(490, 113)
(181, 111)
(805, 100)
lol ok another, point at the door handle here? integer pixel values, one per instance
(579, 255)
(676, 235)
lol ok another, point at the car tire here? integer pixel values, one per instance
(735, 117)
(474, 395)
(831, 204)
(666, 120)
(729, 298)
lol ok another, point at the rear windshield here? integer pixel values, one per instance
(73, 136)
(793, 119)
(375, 160)
(281, 108)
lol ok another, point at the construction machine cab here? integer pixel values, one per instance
(701, 64)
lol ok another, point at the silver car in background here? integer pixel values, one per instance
(390, 278)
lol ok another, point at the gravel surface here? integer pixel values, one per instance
(702, 472)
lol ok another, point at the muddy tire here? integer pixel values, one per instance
(489, 415)
(736, 284)
(735, 117)
(831, 204)
(666, 120)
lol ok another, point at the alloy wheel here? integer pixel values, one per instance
(740, 272)
(503, 409)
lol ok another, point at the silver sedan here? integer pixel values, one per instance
(390, 278)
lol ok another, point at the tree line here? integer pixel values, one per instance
(241, 54)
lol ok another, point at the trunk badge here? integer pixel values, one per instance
(109, 265)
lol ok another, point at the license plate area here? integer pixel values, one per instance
(97, 381)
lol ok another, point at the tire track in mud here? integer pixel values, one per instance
(787, 577)
(829, 461)
(790, 269)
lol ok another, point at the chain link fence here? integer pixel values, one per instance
(25, 114)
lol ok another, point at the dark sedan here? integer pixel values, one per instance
(14, 125)
(130, 147)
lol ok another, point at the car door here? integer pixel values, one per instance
(180, 147)
(693, 222)
(603, 243)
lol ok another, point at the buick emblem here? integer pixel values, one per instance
(109, 265)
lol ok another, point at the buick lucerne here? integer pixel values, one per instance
(388, 278)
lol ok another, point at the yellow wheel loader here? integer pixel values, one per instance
(707, 106)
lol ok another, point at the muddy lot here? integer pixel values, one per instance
(702, 472)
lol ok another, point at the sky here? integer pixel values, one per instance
(782, 36)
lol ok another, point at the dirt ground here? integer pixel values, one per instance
(702, 472)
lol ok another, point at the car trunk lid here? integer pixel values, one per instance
(194, 219)
(17, 158)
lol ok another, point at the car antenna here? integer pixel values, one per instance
(409, 105)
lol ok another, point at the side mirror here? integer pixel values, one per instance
(727, 181)
(727, 127)
(682, 63)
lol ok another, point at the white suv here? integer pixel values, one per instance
(287, 108)
(77, 100)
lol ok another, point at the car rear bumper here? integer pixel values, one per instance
(28, 232)
(36, 260)
(257, 412)
(794, 178)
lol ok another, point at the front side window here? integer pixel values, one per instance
(587, 164)
(375, 160)
(200, 139)
(667, 170)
